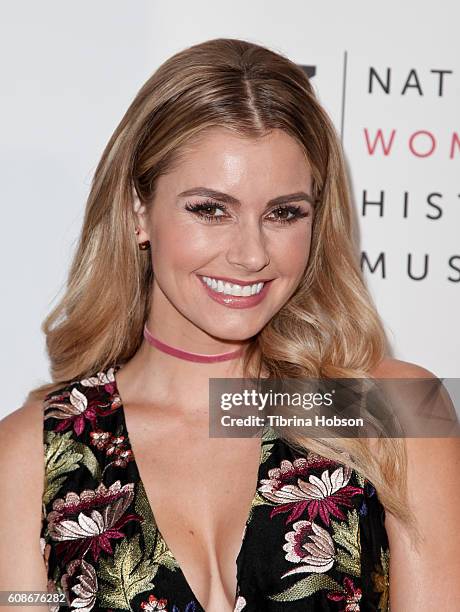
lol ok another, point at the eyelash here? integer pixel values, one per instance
(199, 207)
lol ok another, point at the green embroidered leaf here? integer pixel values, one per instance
(52, 488)
(60, 459)
(385, 560)
(88, 460)
(269, 434)
(346, 533)
(125, 575)
(381, 580)
(163, 556)
(266, 450)
(155, 546)
(360, 479)
(62, 456)
(259, 500)
(307, 586)
(142, 507)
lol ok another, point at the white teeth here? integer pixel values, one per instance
(233, 289)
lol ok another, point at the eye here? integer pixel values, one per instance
(295, 211)
(205, 209)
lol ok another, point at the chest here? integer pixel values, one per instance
(199, 490)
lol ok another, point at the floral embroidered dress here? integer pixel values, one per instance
(314, 540)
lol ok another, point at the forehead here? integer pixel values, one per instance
(221, 155)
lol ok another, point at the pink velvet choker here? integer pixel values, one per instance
(181, 354)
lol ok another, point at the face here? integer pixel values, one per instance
(230, 232)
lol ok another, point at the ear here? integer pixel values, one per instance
(141, 217)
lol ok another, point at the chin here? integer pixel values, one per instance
(236, 334)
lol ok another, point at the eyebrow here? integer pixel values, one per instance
(228, 199)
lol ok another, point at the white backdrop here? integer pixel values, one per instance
(388, 74)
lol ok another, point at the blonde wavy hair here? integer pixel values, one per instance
(329, 328)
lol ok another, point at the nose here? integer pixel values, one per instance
(248, 248)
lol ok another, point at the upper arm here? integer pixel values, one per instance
(427, 577)
(21, 488)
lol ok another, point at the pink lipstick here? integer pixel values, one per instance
(237, 301)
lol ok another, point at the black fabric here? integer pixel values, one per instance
(103, 551)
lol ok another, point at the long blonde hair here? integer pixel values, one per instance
(329, 328)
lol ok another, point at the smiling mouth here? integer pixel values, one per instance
(226, 288)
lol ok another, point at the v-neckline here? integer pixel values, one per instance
(121, 412)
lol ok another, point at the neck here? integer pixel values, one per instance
(180, 353)
(152, 375)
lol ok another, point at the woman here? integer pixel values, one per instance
(216, 244)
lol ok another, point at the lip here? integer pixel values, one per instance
(235, 281)
(236, 301)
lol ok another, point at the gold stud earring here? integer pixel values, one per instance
(143, 246)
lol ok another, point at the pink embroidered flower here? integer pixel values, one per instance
(311, 546)
(81, 579)
(90, 520)
(106, 380)
(116, 444)
(99, 438)
(319, 496)
(351, 596)
(240, 604)
(113, 445)
(124, 456)
(289, 472)
(154, 604)
(72, 409)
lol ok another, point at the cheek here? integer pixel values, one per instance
(291, 251)
(181, 246)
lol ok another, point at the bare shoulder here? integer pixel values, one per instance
(21, 490)
(21, 434)
(22, 430)
(396, 368)
(28, 416)
(22, 456)
(22, 453)
(433, 465)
